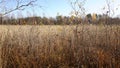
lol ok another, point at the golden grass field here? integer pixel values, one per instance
(82, 46)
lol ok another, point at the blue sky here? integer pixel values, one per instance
(51, 8)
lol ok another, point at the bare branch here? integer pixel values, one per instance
(78, 7)
(19, 6)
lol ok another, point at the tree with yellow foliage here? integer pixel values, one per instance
(94, 17)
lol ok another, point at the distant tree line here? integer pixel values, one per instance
(60, 20)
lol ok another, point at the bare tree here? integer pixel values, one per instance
(78, 7)
(8, 6)
(110, 7)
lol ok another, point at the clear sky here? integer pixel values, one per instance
(51, 8)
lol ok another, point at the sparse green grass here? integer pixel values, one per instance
(85, 46)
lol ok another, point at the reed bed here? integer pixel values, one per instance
(81, 46)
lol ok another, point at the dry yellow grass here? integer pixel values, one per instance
(80, 46)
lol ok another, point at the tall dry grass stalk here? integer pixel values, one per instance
(87, 46)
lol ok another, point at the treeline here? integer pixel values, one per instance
(60, 20)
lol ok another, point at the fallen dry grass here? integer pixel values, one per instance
(83, 46)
